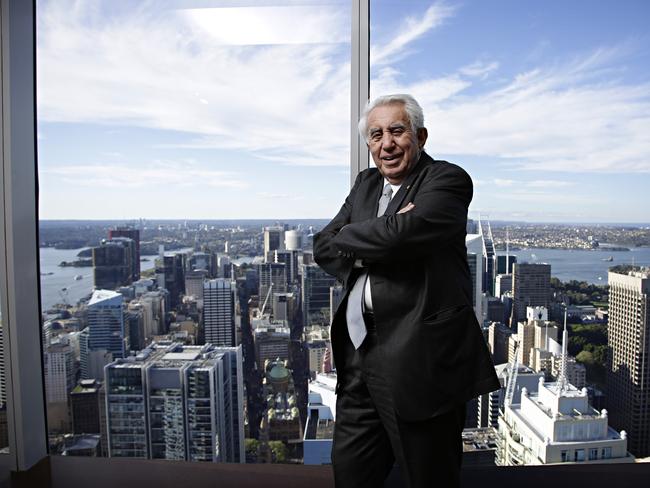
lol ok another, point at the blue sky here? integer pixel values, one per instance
(215, 110)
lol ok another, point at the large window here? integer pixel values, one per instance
(546, 106)
(187, 152)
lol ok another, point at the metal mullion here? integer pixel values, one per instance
(26, 412)
(360, 86)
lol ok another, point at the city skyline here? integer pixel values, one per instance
(551, 127)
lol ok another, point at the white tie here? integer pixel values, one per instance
(354, 310)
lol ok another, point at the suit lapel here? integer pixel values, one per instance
(397, 200)
(371, 199)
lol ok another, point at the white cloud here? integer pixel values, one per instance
(479, 69)
(166, 70)
(409, 30)
(157, 173)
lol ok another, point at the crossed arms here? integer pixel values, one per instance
(436, 215)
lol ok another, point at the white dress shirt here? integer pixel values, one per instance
(367, 295)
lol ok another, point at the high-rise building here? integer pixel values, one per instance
(85, 406)
(503, 284)
(336, 296)
(531, 287)
(271, 274)
(173, 277)
(133, 234)
(290, 259)
(628, 369)
(316, 285)
(271, 340)
(106, 325)
(194, 283)
(177, 402)
(60, 376)
(504, 263)
(113, 263)
(489, 257)
(219, 297)
(273, 239)
(474, 244)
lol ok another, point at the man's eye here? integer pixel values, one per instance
(397, 132)
(375, 136)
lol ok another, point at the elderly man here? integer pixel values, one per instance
(407, 346)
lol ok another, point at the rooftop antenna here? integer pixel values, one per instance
(507, 250)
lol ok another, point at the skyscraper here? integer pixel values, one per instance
(173, 272)
(177, 402)
(474, 244)
(113, 263)
(273, 239)
(531, 287)
(106, 324)
(628, 369)
(133, 234)
(219, 312)
(271, 273)
(316, 285)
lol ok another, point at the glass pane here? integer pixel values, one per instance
(4, 430)
(545, 105)
(187, 151)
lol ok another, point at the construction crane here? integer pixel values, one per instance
(268, 293)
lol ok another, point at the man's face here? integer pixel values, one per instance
(393, 145)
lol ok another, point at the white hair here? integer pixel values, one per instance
(411, 106)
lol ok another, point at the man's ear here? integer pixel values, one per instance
(423, 134)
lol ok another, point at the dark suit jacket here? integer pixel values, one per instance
(435, 353)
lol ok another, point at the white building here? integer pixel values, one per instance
(321, 415)
(556, 424)
(474, 244)
(106, 323)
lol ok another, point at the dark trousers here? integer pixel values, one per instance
(369, 436)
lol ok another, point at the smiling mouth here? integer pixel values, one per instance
(392, 157)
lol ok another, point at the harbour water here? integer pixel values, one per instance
(581, 265)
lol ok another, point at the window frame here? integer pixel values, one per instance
(19, 266)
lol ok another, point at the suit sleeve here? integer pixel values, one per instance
(439, 218)
(338, 264)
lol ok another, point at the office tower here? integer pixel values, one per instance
(60, 376)
(493, 309)
(113, 263)
(628, 368)
(316, 285)
(194, 283)
(219, 297)
(503, 284)
(336, 295)
(316, 350)
(271, 274)
(556, 424)
(271, 341)
(134, 317)
(472, 226)
(273, 239)
(106, 325)
(85, 406)
(290, 260)
(474, 244)
(284, 307)
(201, 261)
(154, 306)
(173, 272)
(531, 287)
(224, 267)
(293, 240)
(177, 402)
(498, 335)
(133, 234)
(489, 257)
(504, 263)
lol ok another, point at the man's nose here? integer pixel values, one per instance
(387, 140)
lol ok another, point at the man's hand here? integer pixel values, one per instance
(408, 208)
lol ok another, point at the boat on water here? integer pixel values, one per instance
(609, 259)
(78, 277)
